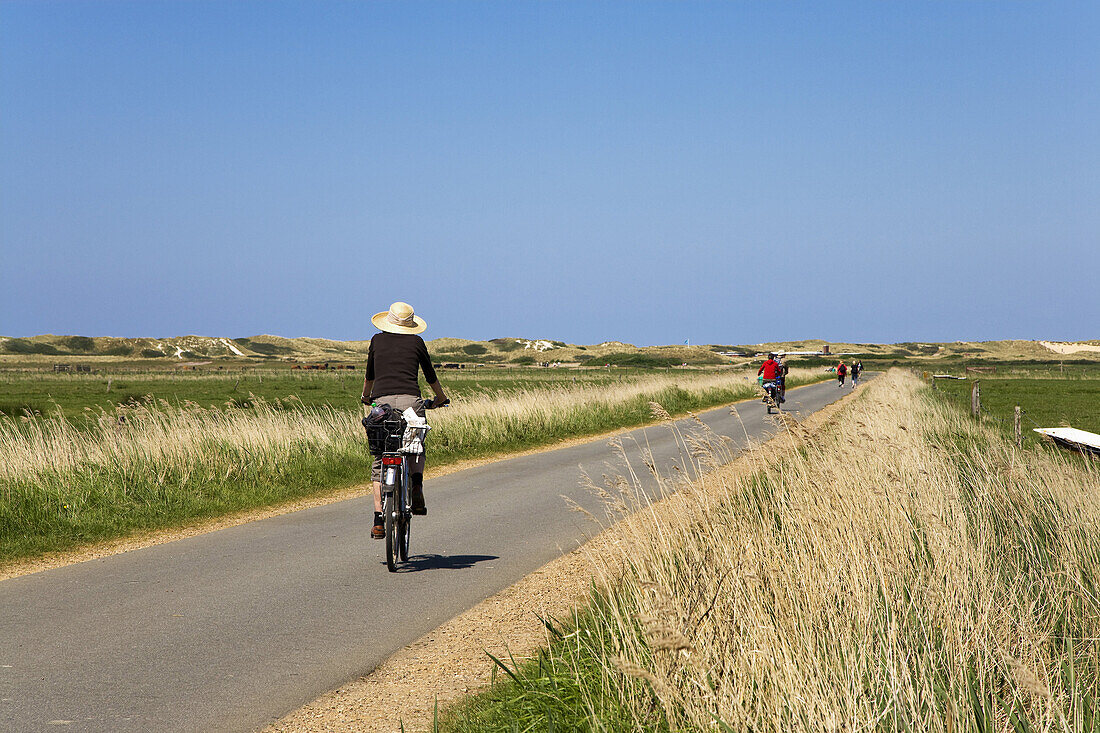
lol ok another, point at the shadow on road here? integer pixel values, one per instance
(443, 562)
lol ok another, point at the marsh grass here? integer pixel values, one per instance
(907, 569)
(67, 394)
(152, 463)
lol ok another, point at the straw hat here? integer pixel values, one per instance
(399, 319)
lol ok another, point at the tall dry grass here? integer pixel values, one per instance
(182, 437)
(166, 436)
(515, 416)
(905, 569)
(155, 464)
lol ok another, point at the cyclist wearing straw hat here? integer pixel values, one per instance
(395, 357)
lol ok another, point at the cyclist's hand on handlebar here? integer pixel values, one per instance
(430, 404)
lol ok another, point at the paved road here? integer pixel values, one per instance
(231, 630)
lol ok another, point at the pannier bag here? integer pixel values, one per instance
(416, 429)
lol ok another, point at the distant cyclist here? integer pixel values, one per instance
(770, 370)
(781, 377)
(394, 360)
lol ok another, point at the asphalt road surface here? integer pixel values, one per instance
(231, 630)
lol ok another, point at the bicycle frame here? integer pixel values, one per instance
(395, 473)
(395, 477)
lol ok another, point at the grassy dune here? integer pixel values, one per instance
(270, 351)
(159, 464)
(906, 569)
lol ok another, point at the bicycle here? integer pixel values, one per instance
(772, 396)
(393, 440)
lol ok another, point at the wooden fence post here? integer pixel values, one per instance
(976, 400)
(1016, 428)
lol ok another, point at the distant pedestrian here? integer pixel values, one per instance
(781, 377)
(841, 371)
(855, 374)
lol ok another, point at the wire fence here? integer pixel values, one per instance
(984, 412)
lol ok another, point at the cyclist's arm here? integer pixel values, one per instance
(368, 378)
(440, 397)
(429, 374)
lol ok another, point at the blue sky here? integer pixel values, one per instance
(646, 172)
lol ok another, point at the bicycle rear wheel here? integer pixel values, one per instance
(391, 532)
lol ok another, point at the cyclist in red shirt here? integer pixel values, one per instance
(769, 369)
(772, 371)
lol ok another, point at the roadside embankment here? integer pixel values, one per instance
(905, 567)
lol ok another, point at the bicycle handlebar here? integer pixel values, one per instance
(429, 404)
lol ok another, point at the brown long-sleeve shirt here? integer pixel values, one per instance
(393, 363)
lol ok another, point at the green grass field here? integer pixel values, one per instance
(1046, 401)
(70, 395)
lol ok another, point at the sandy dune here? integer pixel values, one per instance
(1069, 348)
